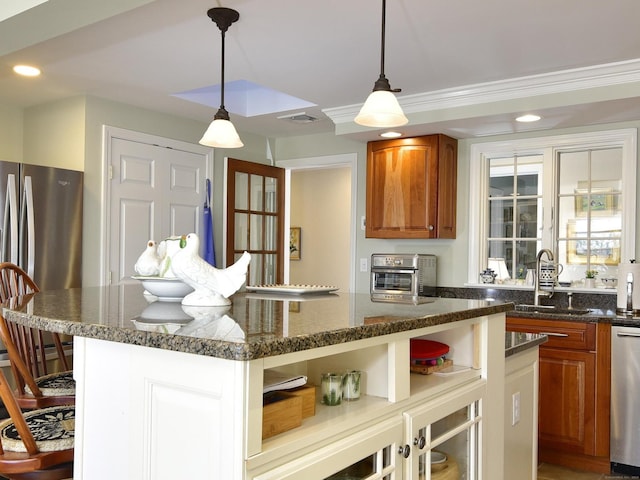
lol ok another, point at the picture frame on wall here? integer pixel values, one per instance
(295, 235)
(603, 200)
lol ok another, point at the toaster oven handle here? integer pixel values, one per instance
(392, 270)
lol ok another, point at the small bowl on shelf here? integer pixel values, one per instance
(166, 289)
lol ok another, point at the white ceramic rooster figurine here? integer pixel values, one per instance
(148, 263)
(212, 286)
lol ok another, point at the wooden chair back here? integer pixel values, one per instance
(14, 281)
(26, 346)
(32, 463)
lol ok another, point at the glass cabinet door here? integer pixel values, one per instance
(445, 439)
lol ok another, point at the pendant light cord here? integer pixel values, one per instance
(383, 83)
(222, 73)
(382, 42)
(223, 18)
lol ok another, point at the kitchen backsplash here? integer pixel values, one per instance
(602, 301)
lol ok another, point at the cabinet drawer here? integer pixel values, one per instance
(572, 335)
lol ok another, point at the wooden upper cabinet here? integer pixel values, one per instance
(411, 187)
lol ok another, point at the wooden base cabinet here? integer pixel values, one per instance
(411, 187)
(575, 387)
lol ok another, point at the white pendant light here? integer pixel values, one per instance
(221, 133)
(382, 109)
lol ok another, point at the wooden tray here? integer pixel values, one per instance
(427, 369)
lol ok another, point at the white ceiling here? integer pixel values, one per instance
(460, 63)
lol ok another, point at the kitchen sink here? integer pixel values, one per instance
(552, 310)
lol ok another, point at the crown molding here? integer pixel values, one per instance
(564, 81)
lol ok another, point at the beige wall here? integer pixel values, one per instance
(54, 134)
(68, 134)
(11, 135)
(321, 207)
(452, 254)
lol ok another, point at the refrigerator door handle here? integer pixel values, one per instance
(27, 217)
(10, 224)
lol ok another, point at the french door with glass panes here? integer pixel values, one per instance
(255, 219)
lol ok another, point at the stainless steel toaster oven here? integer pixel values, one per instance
(401, 275)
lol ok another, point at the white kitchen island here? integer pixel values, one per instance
(166, 393)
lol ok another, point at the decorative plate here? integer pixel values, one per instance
(291, 289)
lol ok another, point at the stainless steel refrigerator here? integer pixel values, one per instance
(42, 227)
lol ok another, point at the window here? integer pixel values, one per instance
(515, 206)
(589, 216)
(572, 194)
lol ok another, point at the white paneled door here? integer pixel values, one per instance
(155, 192)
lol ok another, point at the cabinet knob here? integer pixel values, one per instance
(431, 228)
(404, 451)
(420, 442)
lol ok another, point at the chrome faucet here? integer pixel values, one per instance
(538, 292)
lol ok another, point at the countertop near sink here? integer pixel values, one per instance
(516, 342)
(595, 315)
(602, 305)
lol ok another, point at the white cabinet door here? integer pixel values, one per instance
(152, 414)
(155, 192)
(374, 450)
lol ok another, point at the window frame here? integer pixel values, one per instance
(548, 147)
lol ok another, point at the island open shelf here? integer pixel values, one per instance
(386, 380)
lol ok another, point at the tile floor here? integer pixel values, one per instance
(553, 472)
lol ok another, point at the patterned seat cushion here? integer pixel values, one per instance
(61, 383)
(52, 428)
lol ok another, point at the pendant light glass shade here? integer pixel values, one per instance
(221, 132)
(381, 110)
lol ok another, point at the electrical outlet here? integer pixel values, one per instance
(515, 401)
(363, 265)
(363, 223)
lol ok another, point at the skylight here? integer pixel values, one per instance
(245, 98)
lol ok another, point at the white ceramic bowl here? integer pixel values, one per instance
(166, 289)
(610, 282)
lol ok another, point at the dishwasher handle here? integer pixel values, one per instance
(628, 334)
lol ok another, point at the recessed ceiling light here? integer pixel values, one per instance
(391, 134)
(26, 70)
(528, 118)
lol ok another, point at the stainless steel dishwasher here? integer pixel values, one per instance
(625, 394)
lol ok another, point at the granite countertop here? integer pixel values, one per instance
(254, 326)
(601, 304)
(595, 315)
(516, 342)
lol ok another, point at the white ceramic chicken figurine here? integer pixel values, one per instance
(212, 286)
(148, 263)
